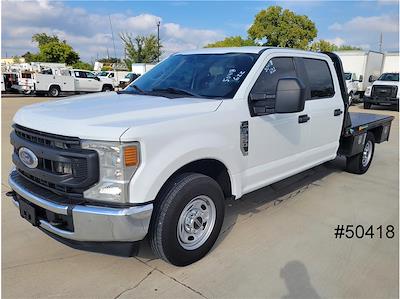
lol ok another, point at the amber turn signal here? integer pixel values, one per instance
(131, 156)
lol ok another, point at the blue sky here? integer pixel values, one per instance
(188, 24)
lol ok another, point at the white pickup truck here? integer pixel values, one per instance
(57, 81)
(102, 171)
(352, 85)
(384, 91)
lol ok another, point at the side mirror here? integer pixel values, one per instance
(97, 78)
(290, 96)
(361, 78)
(371, 79)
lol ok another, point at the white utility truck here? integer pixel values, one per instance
(112, 77)
(352, 85)
(367, 65)
(384, 91)
(54, 82)
(159, 158)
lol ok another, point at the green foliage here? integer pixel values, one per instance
(140, 49)
(106, 68)
(58, 52)
(43, 38)
(82, 66)
(234, 41)
(51, 49)
(282, 28)
(109, 60)
(347, 48)
(325, 46)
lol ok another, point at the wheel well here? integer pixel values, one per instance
(55, 85)
(107, 85)
(209, 167)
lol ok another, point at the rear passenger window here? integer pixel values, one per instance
(319, 78)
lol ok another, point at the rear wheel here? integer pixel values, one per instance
(187, 219)
(367, 105)
(360, 163)
(54, 91)
(107, 88)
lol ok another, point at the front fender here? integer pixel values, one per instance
(160, 162)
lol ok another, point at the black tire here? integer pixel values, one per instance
(355, 164)
(174, 198)
(54, 91)
(107, 88)
(367, 105)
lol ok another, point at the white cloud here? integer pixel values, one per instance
(365, 32)
(338, 41)
(383, 23)
(90, 33)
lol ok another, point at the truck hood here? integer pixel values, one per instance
(107, 115)
(391, 83)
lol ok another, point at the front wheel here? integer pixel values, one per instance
(367, 105)
(187, 219)
(360, 163)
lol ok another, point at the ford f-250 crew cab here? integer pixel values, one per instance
(384, 91)
(160, 157)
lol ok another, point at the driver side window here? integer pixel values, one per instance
(264, 90)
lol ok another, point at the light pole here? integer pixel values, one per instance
(158, 41)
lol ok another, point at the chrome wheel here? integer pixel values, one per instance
(196, 222)
(367, 153)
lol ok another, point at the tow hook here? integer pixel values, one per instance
(11, 193)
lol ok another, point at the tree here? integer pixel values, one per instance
(109, 60)
(83, 66)
(325, 46)
(234, 41)
(282, 28)
(52, 49)
(58, 52)
(348, 48)
(140, 49)
(43, 38)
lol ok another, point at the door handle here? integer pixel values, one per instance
(337, 112)
(304, 118)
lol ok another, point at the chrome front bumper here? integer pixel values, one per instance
(92, 223)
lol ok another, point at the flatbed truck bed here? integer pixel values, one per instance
(353, 137)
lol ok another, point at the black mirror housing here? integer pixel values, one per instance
(290, 96)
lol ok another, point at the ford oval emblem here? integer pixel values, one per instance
(28, 157)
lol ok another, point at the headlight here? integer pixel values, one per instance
(368, 91)
(118, 162)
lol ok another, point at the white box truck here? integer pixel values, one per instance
(367, 65)
(391, 63)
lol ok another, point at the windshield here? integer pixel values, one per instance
(200, 75)
(102, 74)
(347, 76)
(389, 77)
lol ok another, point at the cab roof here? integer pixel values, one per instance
(250, 49)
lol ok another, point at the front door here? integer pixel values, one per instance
(277, 142)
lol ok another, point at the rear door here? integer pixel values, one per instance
(93, 83)
(324, 106)
(81, 83)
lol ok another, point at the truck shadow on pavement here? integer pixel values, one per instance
(266, 198)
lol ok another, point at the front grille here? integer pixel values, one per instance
(46, 139)
(384, 91)
(63, 166)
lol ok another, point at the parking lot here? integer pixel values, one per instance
(277, 242)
